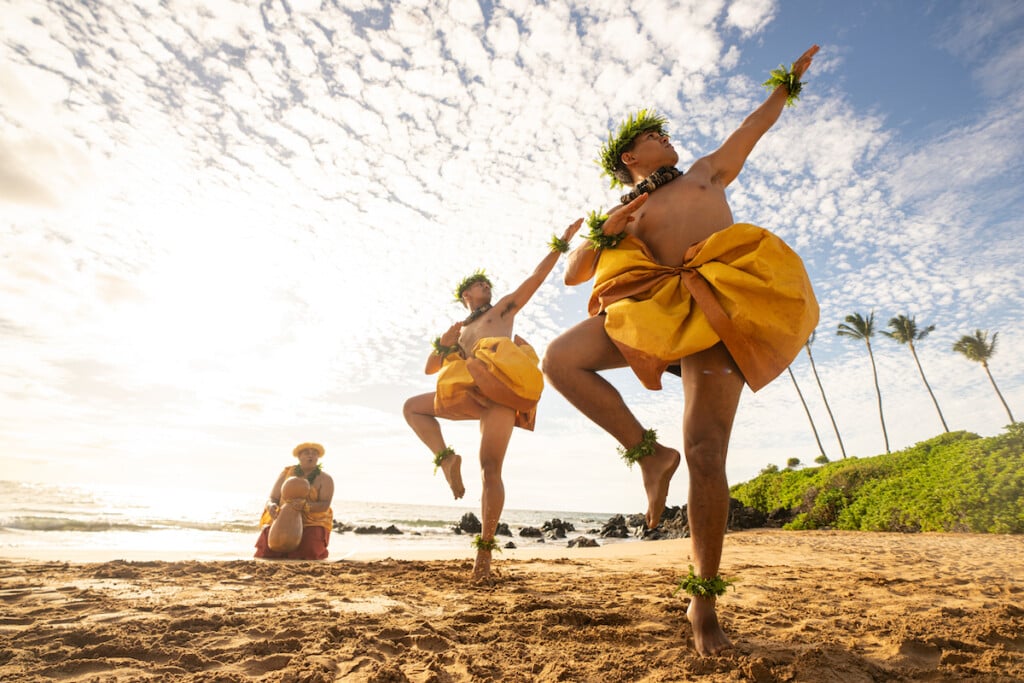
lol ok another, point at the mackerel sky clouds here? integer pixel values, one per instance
(228, 227)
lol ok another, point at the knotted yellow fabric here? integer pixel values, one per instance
(742, 286)
(324, 519)
(498, 370)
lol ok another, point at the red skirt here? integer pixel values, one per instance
(313, 546)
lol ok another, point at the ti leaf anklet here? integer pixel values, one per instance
(480, 544)
(703, 588)
(641, 450)
(441, 455)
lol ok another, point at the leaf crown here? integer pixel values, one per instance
(469, 281)
(611, 151)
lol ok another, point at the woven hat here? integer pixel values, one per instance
(303, 446)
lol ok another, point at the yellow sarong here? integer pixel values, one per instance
(498, 370)
(742, 286)
(324, 519)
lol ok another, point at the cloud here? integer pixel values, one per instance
(223, 222)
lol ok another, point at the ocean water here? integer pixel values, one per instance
(41, 521)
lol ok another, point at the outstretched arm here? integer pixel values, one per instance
(727, 161)
(516, 300)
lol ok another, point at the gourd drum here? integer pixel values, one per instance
(285, 533)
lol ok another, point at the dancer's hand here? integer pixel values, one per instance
(451, 337)
(571, 231)
(618, 221)
(803, 62)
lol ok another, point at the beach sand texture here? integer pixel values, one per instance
(808, 606)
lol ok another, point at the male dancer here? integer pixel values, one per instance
(679, 283)
(486, 376)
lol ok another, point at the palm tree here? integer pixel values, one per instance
(904, 331)
(814, 369)
(979, 349)
(858, 327)
(821, 449)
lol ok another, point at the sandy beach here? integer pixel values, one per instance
(807, 606)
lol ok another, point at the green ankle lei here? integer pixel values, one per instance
(641, 450)
(786, 77)
(441, 455)
(480, 544)
(703, 588)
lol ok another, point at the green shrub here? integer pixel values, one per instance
(953, 482)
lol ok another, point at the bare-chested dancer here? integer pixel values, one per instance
(679, 283)
(486, 376)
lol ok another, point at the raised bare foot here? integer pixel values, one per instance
(708, 636)
(482, 566)
(657, 470)
(452, 468)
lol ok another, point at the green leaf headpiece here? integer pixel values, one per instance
(469, 281)
(611, 152)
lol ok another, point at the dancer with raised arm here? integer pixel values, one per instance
(680, 286)
(485, 375)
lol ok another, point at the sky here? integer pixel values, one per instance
(230, 227)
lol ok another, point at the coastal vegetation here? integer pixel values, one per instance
(954, 482)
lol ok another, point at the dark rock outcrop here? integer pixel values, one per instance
(374, 529)
(469, 524)
(583, 542)
(615, 527)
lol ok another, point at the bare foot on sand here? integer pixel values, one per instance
(708, 636)
(657, 470)
(482, 566)
(452, 468)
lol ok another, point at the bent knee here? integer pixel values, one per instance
(418, 405)
(558, 357)
(409, 407)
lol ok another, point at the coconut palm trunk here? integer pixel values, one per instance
(821, 449)
(998, 393)
(858, 327)
(904, 331)
(821, 389)
(927, 386)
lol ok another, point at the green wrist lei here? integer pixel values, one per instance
(703, 588)
(558, 244)
(786, 77)
(442, 350)
(641, 450)
(480, 544)
(599, 240)
(441, 455)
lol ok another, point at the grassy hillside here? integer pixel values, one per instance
(954, 482)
